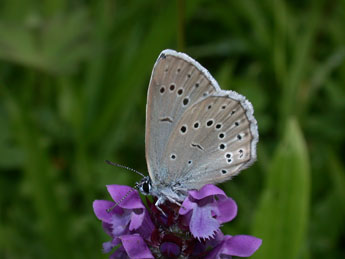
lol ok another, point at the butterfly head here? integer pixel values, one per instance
(144, 186)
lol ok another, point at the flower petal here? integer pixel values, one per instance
(107, 228)
(135, 247)
(146, 228)
(218, 238)
(132, 201)
(241, 245)
(136, 220)
(202, 224)
(205, 191)
(100, 208)
(119, 253)
(187, 206)
(215, 252)
(108, 246)
(227, 210)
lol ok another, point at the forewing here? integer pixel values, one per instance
(177, 83)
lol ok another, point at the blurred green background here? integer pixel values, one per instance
(73, 82)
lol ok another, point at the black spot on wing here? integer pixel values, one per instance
(197, 146)
(167, 119)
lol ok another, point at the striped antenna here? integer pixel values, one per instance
(122, 199)
(130, 191)
(124, 167)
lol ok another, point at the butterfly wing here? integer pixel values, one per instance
(171, 91)
(185, 108)
(214, 140)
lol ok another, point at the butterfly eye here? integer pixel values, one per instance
(237, 123)
(223, 107)
(146, 187)
(172, 87)
(223, 171)
(196, 125)
(190, 162)
(173, 156)
(197, 85)
(239, 136)
(209, 107)
(180, 91)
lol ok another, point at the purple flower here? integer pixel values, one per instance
(241, 245)
(189, 231)
(129, 217)
(133, 246)
(205, 210)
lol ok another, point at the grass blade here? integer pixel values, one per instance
(282, 216)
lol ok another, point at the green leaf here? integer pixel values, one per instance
(46, 44)
(282, 216)
(338, 178)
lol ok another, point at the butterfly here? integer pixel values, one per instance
(196, 133)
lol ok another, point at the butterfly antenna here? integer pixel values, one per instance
(124, 167)
(119, 202)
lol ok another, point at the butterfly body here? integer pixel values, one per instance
(164, 191)
(196, 133)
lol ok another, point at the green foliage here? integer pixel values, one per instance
(284, 206)
(73, 82)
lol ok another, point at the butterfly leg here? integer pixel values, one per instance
(174, 201)
(159, 202)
